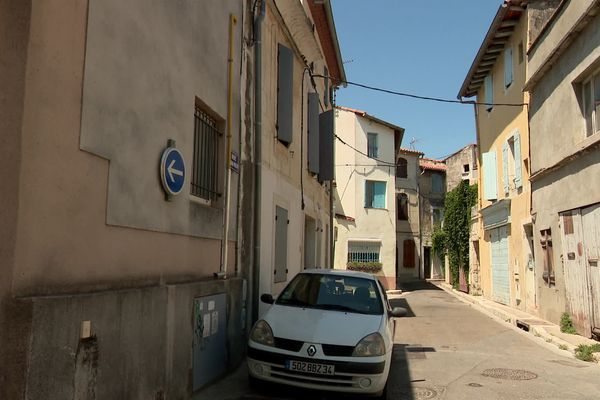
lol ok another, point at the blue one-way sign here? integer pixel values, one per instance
(172, 170)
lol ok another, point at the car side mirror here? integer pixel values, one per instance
(267, 298)
(398, 312)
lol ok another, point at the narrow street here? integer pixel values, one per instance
(444, 349)
(447, 350)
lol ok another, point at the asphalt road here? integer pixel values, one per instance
(444, 349)
(447, 350)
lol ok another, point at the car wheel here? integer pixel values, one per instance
(255, 384)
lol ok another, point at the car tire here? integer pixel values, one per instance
(255, 384)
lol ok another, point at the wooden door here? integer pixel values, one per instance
(591, 238)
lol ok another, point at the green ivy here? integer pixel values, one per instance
(457, 227)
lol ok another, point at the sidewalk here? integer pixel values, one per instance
(543, 330)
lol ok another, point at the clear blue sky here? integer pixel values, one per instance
(423, 47)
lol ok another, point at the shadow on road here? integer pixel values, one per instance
(414, 286)
(401, 302)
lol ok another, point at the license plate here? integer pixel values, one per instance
(309, 368)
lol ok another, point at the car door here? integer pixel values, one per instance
(390, 323)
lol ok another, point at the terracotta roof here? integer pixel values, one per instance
(409, 151)
(323, 17)
(364, 114)
(432, 165)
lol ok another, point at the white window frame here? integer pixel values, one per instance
(364, 251)
(594, 124)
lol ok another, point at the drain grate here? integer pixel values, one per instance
(509, 374)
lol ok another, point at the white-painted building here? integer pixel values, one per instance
(365, 198)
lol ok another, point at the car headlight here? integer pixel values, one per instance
(262, 333)
(370, 346)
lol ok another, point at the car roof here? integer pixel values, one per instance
(339, 272)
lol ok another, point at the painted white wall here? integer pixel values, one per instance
(352, 170)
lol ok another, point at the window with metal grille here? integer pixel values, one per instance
(372, 145)
(205, 173)
(363, 251)
(546, 242)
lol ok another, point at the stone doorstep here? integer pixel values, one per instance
(393, 292)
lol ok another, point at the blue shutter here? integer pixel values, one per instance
(517, 141)
(489, 91)
(368, 194)
(285, 91)
(313, 133)
(281, 230)
(378, 194)
(506, 178)
(490, 176)
(508, 67)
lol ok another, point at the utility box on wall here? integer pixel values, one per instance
(210, 339)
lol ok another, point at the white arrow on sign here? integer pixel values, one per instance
(172, 171)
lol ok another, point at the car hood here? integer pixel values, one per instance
(321, 326)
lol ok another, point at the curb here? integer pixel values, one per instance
(520, 323)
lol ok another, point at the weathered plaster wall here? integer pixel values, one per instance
(555, 108)
(409, 230)
(14, 40)
(495, 127)
(455, 172)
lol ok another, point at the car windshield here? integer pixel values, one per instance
(332, 292)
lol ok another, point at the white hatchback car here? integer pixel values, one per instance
(327, 330)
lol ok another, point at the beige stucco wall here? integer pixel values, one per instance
(352, 170)
(409, 230)
(558, 132)
(494, 128)
(69, 196)
(282, 167)
(455, 172)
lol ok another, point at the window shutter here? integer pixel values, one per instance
(281, 230)
(326, 129)
(506, 178)
(490, 176)
(508, 67)
(313, 133)
(518, 178)
(368, 194)
(379, 195)
(489, 91)
(402, 168)
(285, 74)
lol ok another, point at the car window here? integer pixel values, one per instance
(333, 292)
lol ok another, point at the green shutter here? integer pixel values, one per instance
(379, 195)
(518, 178)
(490, 176)
(506, 178)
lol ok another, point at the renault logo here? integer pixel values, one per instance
(312, 350)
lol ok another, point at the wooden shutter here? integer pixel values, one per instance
(281, 231)
(402, 168)
(518, 170)
(506, 178)
(490, 176)
(508, 66)
(326, 129)
(378, 194)
(489, 91)
(285, 91)
(313, 133)
(409, 253)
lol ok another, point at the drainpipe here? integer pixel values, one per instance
(226, 206)
(257, 155)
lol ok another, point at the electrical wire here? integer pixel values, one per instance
(436, 99)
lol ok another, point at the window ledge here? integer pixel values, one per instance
(580, 148)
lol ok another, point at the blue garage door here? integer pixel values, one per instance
(500, 282)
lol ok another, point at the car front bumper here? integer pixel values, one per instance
(350, 376)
